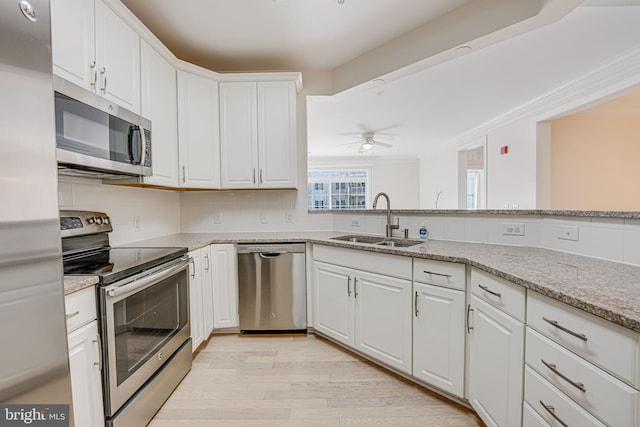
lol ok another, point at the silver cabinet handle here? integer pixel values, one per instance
(103, 72)
(254, 175)
(552, 411)
(349, 286)
(415, 304)
(552, 367)
(484, 288)
(555, 323)
(355, 287)
(99, 343)
(69, 316)
(469, 310)
(184, 174)
(260, 175)
(94, 70)
(192, 273)
(206, 256)
(433, 273)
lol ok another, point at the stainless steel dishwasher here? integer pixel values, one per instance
(272, 288)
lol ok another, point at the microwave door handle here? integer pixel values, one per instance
(135, 153)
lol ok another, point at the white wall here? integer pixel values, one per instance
(158, 210)
(511, 176)
(439, 174)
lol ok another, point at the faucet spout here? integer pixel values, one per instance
(390, 227)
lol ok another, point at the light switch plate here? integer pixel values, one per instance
(264, 217)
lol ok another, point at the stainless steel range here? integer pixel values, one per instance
(143, 306)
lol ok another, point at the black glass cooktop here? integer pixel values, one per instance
(113, 264)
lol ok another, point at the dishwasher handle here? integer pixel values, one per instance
(267, 255)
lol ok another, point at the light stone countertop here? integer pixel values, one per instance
(609, 290)
(76, 283)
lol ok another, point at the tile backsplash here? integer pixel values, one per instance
(612, 239)
(136, 213)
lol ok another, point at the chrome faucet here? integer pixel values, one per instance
(390, 226)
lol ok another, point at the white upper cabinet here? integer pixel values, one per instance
(198, 131)
(117, 59)
(258, 134)
(73, 41)
(238, 134)
(277, 153)
(159, 104)
(95, 49)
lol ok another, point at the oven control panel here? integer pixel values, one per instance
(80, 223)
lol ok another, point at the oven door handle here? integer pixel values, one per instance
(148, 280)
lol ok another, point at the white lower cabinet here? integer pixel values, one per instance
(496, 357)
(196, 315)
(334, 305)
(224, 278)
(383, 318)
(207, 291)
(438, 337)
(367, 311)
(84, 358)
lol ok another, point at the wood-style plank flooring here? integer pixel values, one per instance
(298, 381)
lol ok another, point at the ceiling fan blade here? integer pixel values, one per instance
(382, 144)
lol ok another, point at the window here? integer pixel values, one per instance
(338, 189)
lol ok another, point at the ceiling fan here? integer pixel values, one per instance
(368, 141)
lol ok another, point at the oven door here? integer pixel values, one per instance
(143, 322)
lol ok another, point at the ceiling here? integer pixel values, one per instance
(429, 96)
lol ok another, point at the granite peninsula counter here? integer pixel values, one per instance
(609, 290)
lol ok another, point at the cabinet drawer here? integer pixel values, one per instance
(498, 292)
(530, 418)
(80, 308)
(602, 395)
(612, 347)
(538, 392)
(439, 273)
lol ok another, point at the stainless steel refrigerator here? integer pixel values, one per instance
(34, 366)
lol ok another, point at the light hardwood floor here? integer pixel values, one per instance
(298, 381)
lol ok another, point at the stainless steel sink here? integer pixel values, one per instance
(380, 241)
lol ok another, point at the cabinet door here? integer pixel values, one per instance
(225, 286)
(86, 385)
(438, 337)
(195, 298)
(73, 42)
(207, 292)
(198, 130)
(277, 152)
(159, 104)
(117, 58)
(238, 135)
(334, 302)
(383, 319)
(496, 352)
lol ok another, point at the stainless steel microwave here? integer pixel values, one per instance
(97, 137)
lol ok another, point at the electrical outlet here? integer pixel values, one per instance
(355, 223)
(289, 217)
(511, 229)
(137, 223)
(217, 217)
(568, 233)
(264, 217)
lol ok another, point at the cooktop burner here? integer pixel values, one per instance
(86, 249)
